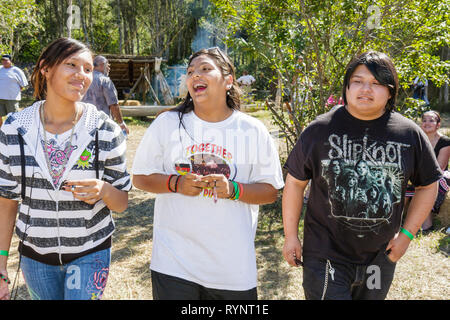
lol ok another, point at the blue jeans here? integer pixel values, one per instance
(328, 280)
(82, 279)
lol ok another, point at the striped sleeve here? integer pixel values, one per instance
(115, 168)
(9, 186)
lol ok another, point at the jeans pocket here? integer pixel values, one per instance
(386, 257)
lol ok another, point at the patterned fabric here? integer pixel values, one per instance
(59, 149)
(102, 93)
(50, 219)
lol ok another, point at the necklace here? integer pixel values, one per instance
(47, 159)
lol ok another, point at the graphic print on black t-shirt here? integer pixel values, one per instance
(364, 179)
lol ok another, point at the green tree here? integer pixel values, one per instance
(327, 35)
(17, 21)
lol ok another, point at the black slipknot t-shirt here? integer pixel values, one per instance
(358, 171)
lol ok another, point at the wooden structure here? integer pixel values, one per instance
(126, 70)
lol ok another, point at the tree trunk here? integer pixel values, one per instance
(119, 24)
(57, 22)
(83, 22)
(91, 25)
(62, 22)
(69, 19)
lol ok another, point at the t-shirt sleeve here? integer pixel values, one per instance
(22, 79)
(149, 157)
(426, 169)
(115, 171)
(297, 162)
(9, 187)
(110, 92)
(267, 168)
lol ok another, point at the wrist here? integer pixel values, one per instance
(230, 190)
(173, 183)
(408, 234)
(107, 189)
(291, 236)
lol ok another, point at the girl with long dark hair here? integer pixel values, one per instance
(66, 162)
(210, 166)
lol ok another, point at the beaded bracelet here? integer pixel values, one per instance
(241, 190)
(5, 278)
(237, 192)
(176, 183)
(168, 182)
(233, 192)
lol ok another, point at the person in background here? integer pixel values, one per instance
(12, 81)
(103, 94)
(245, 82)
(420, 87)
(73, 177)
(431, 122)
(210, 166)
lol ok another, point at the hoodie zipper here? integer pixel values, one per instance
(57, 225)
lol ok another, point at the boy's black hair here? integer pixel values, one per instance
(381, 67)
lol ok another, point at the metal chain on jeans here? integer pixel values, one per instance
(328, 269)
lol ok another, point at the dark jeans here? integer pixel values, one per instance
(165, 287)
(347, 281)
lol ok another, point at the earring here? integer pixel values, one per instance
(228, 92)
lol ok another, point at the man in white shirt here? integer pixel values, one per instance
(246, 81)
(12, 81)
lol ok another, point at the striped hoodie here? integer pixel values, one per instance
(53, 227)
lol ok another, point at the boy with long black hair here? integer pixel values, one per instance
(350, 252)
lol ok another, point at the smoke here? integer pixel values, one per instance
(203, 39)
(206, 36)
(176, 75)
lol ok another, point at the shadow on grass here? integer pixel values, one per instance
(273, 277)
(19, 291)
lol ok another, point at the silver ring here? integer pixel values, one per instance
(73, 188)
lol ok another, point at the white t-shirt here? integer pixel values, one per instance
(246, 80)
(211, 244)
(11, 80)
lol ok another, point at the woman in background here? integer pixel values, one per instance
(431, 122)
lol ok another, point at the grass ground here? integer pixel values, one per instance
(423, 273)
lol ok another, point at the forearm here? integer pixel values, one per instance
(292, 205)
(115, 199)
(420, 207)
(258, 193)
(154, 183)
(7, 220)
(116, 113)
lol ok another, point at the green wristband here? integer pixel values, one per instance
(4, 253)
(408, 234)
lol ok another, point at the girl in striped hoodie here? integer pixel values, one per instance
(65, 162)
